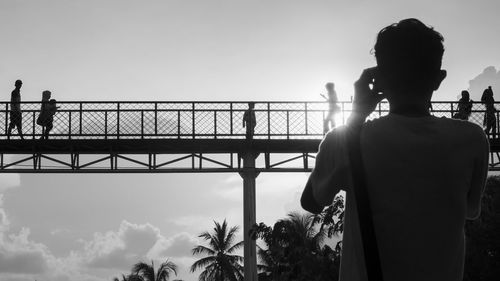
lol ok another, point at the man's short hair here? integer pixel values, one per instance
(409, 54)
(18, 83)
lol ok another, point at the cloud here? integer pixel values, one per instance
(4, 221)
(489, 77)
(60, 231)
(179, 245)
(18, 254)
(123, 248)
(8, 180)
(133, 243)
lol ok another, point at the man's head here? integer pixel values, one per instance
(18, 83)
(46, 95)
(465, 94)
(409, 55)
(251, 105)
(330, 86)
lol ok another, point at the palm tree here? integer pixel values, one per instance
(220, 264)
(124, 278)
(295, 250)
(147, 272)
(131, 277)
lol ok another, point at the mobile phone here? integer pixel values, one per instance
(374, 86)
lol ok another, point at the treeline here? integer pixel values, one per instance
(297, 248)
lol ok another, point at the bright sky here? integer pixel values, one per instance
(94, 227)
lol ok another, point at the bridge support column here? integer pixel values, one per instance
(249, 175)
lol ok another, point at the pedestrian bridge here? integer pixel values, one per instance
(183, 137)
(129, 136)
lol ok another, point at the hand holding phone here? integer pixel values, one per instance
(367, 94)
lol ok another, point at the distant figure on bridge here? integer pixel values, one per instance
(46, 116)
(16, 118)
(423, 175)
(490, 120)
(464, 107)
(249, 120)
(333, 108)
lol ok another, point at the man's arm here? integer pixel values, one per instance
(330, 174)
(478, 181)
(307, 200)
(332, 171)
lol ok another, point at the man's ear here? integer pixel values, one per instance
(439, 78)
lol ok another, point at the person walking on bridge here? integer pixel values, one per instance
(249, 121)
(47, 112)
(333, 108)
(490, 120)
(16, 118)
(423, 175)
(464, 106)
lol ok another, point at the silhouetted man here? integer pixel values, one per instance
(249, 120)
(333, 108)
(424, 175)
(15, 110)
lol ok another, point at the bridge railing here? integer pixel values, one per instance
(188, 120)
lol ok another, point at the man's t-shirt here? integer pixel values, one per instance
(424, 176)
(15, 100)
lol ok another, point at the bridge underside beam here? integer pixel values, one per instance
(159, 146)
(164, 156)
(153, 156)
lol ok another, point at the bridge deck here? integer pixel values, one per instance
(111, 136)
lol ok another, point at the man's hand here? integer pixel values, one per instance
(365, 98)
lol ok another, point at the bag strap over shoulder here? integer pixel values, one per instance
(360, 192)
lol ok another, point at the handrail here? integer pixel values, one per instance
(193, 119)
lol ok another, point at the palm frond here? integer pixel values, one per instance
(235, 247)
(163, 272)
(144, 270)
(230, 236)
(202, 250)
(203, 262)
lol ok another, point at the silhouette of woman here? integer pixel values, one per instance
(489, 121)
(464, 107)
(46, 116)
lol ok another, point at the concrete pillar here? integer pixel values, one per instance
(249, 174)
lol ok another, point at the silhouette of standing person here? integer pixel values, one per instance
(46, 116)
(423, 175)
(333, 108)
(490, 120)
(16, 118)
(249, 121)
(464, 107)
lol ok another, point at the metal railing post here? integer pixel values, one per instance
(268, 120)
(231, 118)
(193, 120)
(81, 120)
(69, 124)
(305, 117)
(118, 120)
(156, 118)
(142, 124)
(33, 124)
(178, 124)
(215, 124)
(287, 124)
(6, 119)
(106, 124)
